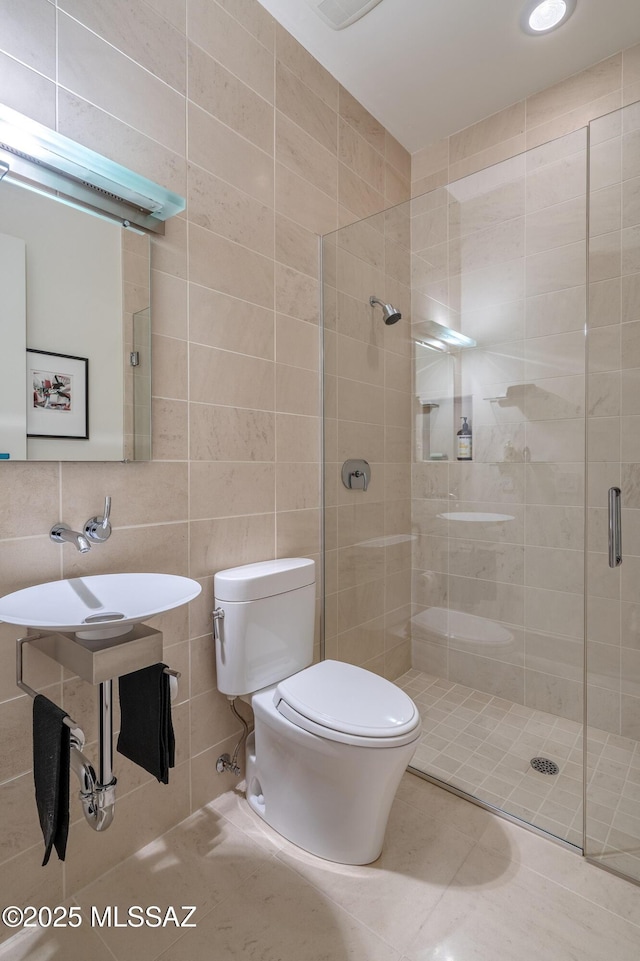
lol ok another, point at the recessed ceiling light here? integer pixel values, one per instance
(542, 16)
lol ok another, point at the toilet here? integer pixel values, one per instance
(331, 740)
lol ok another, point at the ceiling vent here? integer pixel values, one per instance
(340, 13)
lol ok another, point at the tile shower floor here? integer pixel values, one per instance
(483, 745)
(454, 881)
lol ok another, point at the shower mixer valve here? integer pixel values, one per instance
(356, 475)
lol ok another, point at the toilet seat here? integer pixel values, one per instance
(344, 703)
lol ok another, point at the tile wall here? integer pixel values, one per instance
(218, 103)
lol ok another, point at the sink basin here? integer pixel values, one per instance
(99, 606)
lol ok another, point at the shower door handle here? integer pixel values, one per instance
(615, 528)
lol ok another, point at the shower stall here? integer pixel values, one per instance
(481, 571)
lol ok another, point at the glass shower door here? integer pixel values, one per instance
(463, 579)
(498, 596)
(613, 595)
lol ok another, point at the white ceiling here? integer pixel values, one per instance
(426, 68)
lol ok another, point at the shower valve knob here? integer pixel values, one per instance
(356, 475)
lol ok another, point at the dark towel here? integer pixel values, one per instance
(146, 732)
(51, 754)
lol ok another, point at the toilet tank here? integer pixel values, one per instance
(267, 630)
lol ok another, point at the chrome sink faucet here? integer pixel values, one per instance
(96, 530)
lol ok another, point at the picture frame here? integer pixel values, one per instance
(57, 395)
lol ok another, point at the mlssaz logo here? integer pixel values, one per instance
(137, 917)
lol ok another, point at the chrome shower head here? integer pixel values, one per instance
(389, 313)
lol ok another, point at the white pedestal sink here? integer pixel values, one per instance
(99, 606)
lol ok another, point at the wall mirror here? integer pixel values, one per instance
(76, 313)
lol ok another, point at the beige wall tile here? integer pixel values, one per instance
(297, 343)
(222, 208)
(296, 247)
(170, 434)
(430, 160)
(300, 152)
(230, 267)
(297, 390)
(359, 156)
(222, 377)
(172, 10)
(19, 567)
(139, 33)
(397, 188)
(230, 541)
(294, 56)
(20, 516)
(297, 439)
(161, 548)
(631, 65)
(217, 148)
(356, 194)
(169, 373)
(27, 91)
(303, 203)
(554, 612)
(505, 125)
(584, 87)
(297, 294)
(219, 320)
(141, 493)
(574, 120)
(216, 90)
(228, 42)
(305, 108)
(95, 71)
(361, 120)
(297, 487)
(29, 34)
(488, 157)
(253, 18)
(227, 433)
(396, 155)
(169, 298)
(298, 533)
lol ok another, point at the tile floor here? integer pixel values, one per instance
(454, 882)
(483, 745)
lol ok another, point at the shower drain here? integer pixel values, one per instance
(544, 765)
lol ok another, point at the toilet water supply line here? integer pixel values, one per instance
(224, 762)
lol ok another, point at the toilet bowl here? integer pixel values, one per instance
(331, 740)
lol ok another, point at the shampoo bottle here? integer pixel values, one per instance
(464, 439)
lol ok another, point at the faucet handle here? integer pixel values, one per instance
(99, 528)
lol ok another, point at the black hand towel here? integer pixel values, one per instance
(51, 754)
(146, 732)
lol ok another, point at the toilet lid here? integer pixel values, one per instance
(349, 700)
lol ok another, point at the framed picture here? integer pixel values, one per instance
(57, 395)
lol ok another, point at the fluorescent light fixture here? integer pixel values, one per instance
(40, 159)
(429, 331)
(542, 16)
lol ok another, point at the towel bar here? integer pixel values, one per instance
(97, 792)
(29, 690)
